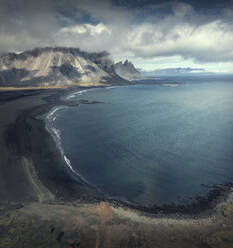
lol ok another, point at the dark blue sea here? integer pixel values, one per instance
(152, 144)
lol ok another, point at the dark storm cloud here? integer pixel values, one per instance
(146, 29)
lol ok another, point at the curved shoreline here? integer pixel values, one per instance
(55, 100)
(41, 199)
(48, 119)
(199, 206)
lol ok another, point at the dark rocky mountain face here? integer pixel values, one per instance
(57, 66)
(127, 70)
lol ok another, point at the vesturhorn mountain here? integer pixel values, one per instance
(127, 70)
(58, 66)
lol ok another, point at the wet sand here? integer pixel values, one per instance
(43, 204)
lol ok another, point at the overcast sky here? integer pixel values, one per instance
(152, 34)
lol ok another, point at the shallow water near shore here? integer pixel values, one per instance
(151, 144)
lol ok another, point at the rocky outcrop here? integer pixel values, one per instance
(57, 66)
(127, 70)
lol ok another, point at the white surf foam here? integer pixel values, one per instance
(81, 92)
(112, 87)
(51, 114)
(56, 134)
(69, 163)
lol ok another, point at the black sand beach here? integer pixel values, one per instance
(43, 204)
(24, 138)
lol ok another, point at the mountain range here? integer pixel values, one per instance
(179, 71)
(63, 66)
(127, 70)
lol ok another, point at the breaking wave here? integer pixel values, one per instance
(56, 134)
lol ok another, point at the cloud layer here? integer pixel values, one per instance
(142, 28)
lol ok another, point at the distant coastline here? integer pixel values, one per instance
(172, 84)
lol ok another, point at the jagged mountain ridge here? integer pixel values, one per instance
(57, 66)
(127, 70)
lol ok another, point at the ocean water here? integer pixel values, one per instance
(151, 144)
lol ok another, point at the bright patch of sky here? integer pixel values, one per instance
(152, 34)
(159, 63)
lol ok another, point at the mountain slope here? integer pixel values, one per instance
(57, 66)
(127, 70)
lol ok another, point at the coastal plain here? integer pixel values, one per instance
(42, 204)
